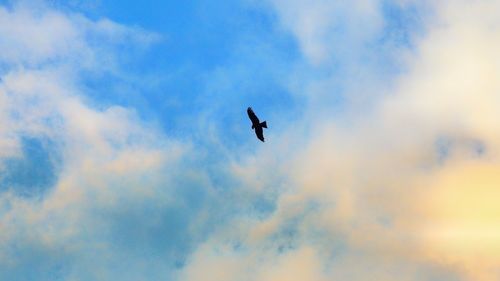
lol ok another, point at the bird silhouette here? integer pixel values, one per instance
(256, 124)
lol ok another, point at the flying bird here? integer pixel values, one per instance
(256, 124)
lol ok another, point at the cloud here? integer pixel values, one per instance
(113, 196)
(394, 187)
(323, 28)
(398, 184)
(38, 35)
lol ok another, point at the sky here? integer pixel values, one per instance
(126, 152)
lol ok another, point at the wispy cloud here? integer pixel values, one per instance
(113, 169)
(376, 194)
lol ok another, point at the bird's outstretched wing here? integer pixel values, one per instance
(260, 133)
(252, 116)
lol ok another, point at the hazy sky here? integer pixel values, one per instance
(126, 152)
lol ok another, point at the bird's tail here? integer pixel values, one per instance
(263, 124)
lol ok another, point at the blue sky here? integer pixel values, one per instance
(200, 43)
(126, 152)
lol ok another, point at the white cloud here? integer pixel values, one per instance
(112, 164)
(373, 195)
(326, 29)
(37, 35)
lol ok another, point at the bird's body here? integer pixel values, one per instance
(256, 124)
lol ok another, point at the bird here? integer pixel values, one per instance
(256, 124)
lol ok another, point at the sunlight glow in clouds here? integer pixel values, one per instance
(390, 171)
(389, 200)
